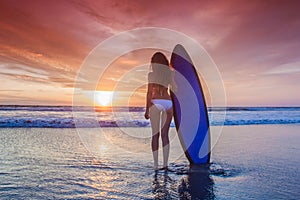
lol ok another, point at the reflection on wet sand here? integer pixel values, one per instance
(197, 184)
(162, 185)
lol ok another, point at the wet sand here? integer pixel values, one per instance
(248, 162)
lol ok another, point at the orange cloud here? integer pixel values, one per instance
(44, 43)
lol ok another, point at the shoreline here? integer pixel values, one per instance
(108, 127)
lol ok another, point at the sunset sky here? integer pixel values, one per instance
(255, 45)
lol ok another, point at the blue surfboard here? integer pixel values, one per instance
(190, 111)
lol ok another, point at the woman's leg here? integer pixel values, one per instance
(166, 120)
(154, 120)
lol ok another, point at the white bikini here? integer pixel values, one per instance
(162, 104)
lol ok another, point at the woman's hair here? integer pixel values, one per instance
(160, 69)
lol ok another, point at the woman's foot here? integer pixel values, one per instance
(164, 168)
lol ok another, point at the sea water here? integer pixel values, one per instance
(71, 117)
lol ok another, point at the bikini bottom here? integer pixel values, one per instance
(162, 104)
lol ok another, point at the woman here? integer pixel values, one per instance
(159, 105)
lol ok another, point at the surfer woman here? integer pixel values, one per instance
(159, 105)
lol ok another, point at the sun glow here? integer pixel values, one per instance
(103, 98)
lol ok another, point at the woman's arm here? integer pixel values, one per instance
(148, 98)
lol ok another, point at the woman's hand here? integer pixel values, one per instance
(147, 114)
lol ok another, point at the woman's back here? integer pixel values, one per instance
(160, 88)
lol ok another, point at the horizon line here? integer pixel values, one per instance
(108, 107)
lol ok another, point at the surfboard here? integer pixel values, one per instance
(190, 110)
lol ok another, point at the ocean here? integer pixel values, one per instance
(71, 117)
(43, 155)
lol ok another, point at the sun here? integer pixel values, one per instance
(103, 98)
